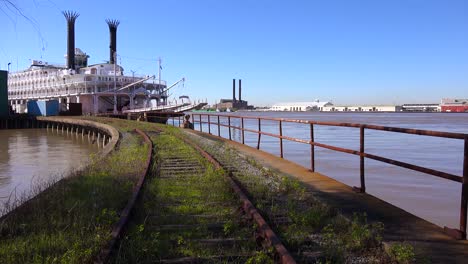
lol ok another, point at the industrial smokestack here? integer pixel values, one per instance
(233, 90)
(240, 90)
(113, 24)
(71, 18)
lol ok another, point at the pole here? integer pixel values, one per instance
(259, 135)
(363, 183)
(312, 148)
(199, 118)
(281, 138)
(159, 71)
(115, 82)
(464, 194)
(209, 125)
(242, 122)
(219, 128)
(229, 126)
(133, 80)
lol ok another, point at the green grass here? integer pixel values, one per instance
(403, 252)
(176, 201)
(71, 220)
(311, 224)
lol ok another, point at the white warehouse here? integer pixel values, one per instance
(367, 108)
(301, 106)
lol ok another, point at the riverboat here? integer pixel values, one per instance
(98, 88)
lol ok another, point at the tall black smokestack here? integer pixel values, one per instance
(113, 24)
(71, 18)
(233, 90)
(240, 90)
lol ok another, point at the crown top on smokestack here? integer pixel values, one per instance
(70, 16)
(113, 23)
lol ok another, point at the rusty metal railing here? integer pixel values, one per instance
(463, 179)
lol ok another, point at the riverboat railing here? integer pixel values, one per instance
(215, 120)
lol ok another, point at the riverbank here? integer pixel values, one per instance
(71, 220)
(429, 242)
(432, 198)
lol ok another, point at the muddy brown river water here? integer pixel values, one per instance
(32, 157)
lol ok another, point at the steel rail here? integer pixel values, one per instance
(104, 255)
(249, 208)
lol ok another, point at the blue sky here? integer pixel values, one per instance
(350, 52)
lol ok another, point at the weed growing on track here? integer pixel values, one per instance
(71, 220)
(303, 223)
(180, 199)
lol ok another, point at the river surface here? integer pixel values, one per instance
(434, 199)
(34, 157)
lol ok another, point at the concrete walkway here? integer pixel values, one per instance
(428, 239)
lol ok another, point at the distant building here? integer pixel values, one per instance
(420, 107)
(301, 106)
(454, 105)
(234, 103)
(367, 108)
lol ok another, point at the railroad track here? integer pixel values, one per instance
(312, 231)
(190, 211)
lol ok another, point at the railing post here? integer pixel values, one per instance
(229, 126)
(173, 121)
(464, 194)
(312, 148)
(242, 125)
(362, 168)
(259, 134)
(179, 120)
(199, 118)
(219, 128)
(281, 139)
(209, 125)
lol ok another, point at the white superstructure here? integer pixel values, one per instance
(94, 86)
(99, 88)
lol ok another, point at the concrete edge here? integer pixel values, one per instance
(112, 132)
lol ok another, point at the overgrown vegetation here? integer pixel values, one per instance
(72, 219)
(311, 230)
(403, 252)
(183, 213)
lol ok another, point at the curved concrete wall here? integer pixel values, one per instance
(102, 133)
